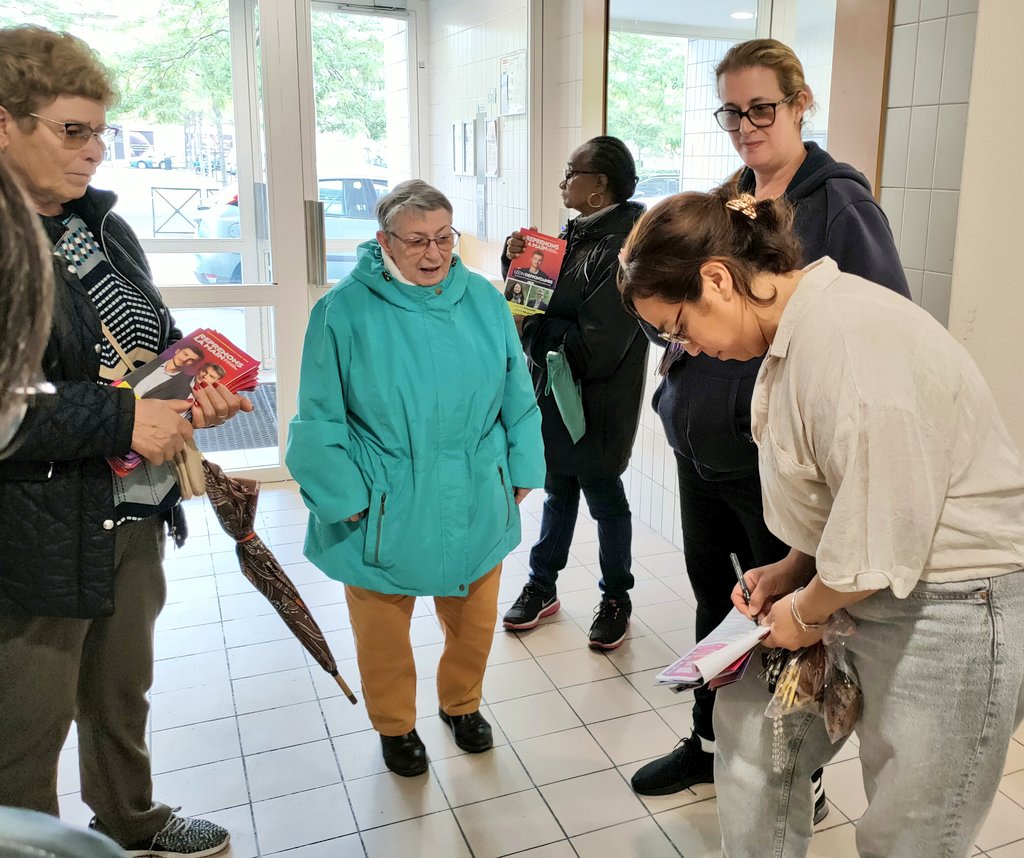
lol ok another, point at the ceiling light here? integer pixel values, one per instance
(742, 16)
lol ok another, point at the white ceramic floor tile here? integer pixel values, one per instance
(1014, 850)
(280, 728)
(694, 831)
(516, 679)
(634, 737)
(469, 778)
(558, 756)
(1005, 824)
(844, 786)
(342, 717)
(290, 770)
(1013, 786)
(839, 842)
(651, 592)
(387, 798)
(657, 803)
(607, 698)
(439, 830)
(194, 745)
(573, 802)
(1014, 758)
(201, 789)
(647, 544)
(577, 666)
(533, 716)
(302, 818)
(359, 754)
(186, 615)
(667, 616)
(191, 706)
(191, 589)
(188, 671)
(506, 648)
(177, 642)
(659, 696)
(663, 565)
(642, 653)
(257, 693)
(261, 658)
(508, 824)
(574, 578)
(238, 821)
(67, 772)
(553, 637)
(349, 846)
(641, 837)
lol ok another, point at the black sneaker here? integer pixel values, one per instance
(687, 765)
(820, 804)
(528, 609)
(611, 619)
(181, 837)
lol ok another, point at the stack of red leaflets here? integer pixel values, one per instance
(204, 356)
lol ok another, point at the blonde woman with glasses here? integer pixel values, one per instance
(416, 438)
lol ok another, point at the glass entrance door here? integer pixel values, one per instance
(234, 114)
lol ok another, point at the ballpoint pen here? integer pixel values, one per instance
(739, 577)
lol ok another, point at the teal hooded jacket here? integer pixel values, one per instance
(415, 405)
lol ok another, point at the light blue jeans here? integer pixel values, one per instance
(942, 673)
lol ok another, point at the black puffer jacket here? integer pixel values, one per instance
(604, 345)
(56, 493)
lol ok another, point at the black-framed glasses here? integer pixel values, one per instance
(759, 115)
(420, 243)
(570, 172)
(76, 134)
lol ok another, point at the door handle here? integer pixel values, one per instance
(316, 243)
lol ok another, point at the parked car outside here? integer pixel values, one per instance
(349, 205)
(654, 189)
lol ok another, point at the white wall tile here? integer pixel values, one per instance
(921, 154)
(941, 232)
(958, 7)
(935, 298)
(959, 55)
(932, 9)
(906, 11)
(931, 41)
(949, 146)
(892, 204)
(915, 279)
(915, 228)
(896, 147)
(901, 65)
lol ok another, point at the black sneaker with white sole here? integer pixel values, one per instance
(529, 608)
(611, 620)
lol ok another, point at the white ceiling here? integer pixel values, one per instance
(702, 14)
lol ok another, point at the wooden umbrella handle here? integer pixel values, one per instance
(344, 687)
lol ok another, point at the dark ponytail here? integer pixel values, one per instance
(668, 246)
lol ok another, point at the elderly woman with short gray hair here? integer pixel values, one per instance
(417, 435)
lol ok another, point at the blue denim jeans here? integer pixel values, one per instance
(606, 499)
(942, 673)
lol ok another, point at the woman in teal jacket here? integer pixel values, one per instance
(417, 435)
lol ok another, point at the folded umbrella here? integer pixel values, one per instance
(234, 502)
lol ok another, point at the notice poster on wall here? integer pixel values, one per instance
(513, 83)
(458, 162)
(469, 147)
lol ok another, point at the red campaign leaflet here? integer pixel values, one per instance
(205, 355)
(533, 274)
(721, 656)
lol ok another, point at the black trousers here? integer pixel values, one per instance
(719, 517)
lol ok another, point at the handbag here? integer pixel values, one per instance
(188, 464)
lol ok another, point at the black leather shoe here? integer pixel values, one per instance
(404, 755)
(472, 732)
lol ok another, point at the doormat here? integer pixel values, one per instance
(246, 431)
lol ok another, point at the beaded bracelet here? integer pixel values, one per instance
(807, 627)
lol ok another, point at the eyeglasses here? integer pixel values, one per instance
(759, 115)
(678, 337)
(76, 134)
(570, 172)
(420, 243)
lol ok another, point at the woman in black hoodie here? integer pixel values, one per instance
(606, 353)
(704, 403)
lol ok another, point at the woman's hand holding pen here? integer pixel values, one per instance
(768, 583)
